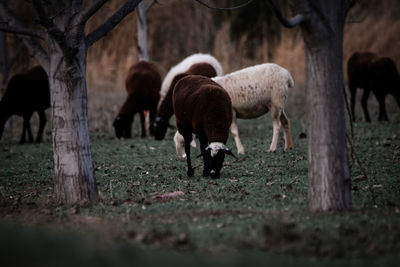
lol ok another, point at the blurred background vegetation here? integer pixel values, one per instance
(238, 38)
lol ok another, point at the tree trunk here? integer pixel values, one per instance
(142, 31)
(329, 177)
(73, 166)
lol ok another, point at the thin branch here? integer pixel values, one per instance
(90, 10)
(6, 27)
(224, 8)
(10, 23)
(289, 23)
(35, 49)
(107, 26)
(45, 20)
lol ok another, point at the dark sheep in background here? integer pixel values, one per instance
(165, 110)
(370, 72)
(26, 93)
(204, 108)
(143, 85)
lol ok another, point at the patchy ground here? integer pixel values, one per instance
(149, 207)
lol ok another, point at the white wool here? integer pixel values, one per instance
(254, 90)
(215, 147)
(184, 66)
(180, 144)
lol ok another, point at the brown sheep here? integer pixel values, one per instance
(143, 85)
(370, 72)
(165, 110)
(204, 108)
(26, 93)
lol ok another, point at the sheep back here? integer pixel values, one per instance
(255, 90)
(27, 92)
(184, 65)
(143, 84)
(202, 106)
(359, 68)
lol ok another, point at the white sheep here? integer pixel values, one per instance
(254, 91)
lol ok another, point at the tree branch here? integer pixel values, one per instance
(35, 49)
(289, 23)
(6, 27)
(224, 8)
(107, 26)
(45, 20)
(90, 10)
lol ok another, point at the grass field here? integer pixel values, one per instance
(255, 214)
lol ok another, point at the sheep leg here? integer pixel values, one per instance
(152, 116)
(275, 115)
(142, 122)
(188, 139)
(26, 128)
(364, 104)
(235, 134)
(286, 126)
(42, 123)
(353, 94)
(203, 145)
(382, 109)
(179, 145)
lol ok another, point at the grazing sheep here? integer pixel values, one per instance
(370, 72)
(203, 107)
(253, 92)
(143, 85)
(199, 64)
(256, 90)
(26, 93)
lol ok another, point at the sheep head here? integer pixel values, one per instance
(122, 125)
(160, 127)
(214, 155)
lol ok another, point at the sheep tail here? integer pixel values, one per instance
(290, 81)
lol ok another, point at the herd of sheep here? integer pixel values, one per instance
(205, 102)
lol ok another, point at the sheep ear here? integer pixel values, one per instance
(228, 152)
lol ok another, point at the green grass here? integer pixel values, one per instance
(255, 214)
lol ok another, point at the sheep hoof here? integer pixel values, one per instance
(288, 149)
(240, 151)
(190, 173)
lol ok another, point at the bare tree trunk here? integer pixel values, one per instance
(142, 31)
(74, 179)
(329, 177)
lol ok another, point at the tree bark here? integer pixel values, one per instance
(329, 176)
(74, 180)
(141, 34)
